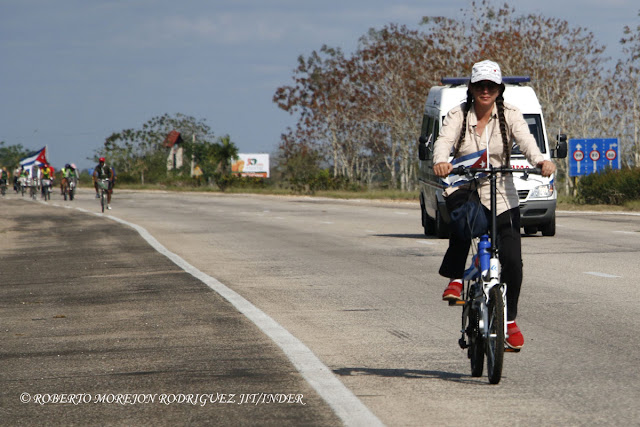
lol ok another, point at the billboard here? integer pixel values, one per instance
(253, 165)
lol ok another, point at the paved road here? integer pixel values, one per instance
(357, 283)
(93, 316)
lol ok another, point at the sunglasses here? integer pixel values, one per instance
(485, 84)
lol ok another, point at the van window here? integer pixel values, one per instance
(427, 132)
(426, 126)
(535, 127)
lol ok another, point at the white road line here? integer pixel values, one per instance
(426, 242)
(596, 273)
(344, 403)
(598, 213)
(627, 232)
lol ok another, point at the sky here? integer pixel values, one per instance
(72, 72)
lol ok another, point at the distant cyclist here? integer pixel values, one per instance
(16, 175)
(100, 172)
(4, 179)
(68, 172)
(46, 174)
(4, 176)
(64, 172)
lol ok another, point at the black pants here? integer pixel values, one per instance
(509, 252)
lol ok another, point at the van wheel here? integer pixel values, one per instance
(549, 229)
(441, 229)
(423, 216)
(530, 230)
(428, 224)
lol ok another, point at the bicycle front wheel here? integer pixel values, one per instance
(495, 340)
(103, 200)
(476, 343)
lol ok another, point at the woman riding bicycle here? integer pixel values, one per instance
(484, 121)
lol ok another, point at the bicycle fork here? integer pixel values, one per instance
(478, 299)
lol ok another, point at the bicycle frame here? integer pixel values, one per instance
(486, 295)
(104, 189)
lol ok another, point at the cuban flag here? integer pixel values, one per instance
(38, 158)
(473, 160)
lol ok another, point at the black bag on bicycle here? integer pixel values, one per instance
(469, 220)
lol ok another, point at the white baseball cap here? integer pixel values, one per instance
(486, 70)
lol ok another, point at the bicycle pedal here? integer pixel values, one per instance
(457, 303)
(511, 350)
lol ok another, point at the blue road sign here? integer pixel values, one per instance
(588, 156)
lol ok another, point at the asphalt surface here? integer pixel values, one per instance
(97, 328)
(354, 281)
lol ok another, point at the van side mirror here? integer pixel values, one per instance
(561, 149)
(423, 153)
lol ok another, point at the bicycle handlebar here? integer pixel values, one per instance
(464, 170)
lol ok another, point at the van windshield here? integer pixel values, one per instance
(535, 127)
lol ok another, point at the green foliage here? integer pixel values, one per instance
(325, 181)
(140, 153)
(215, 159)
(615, 187)
(10, 155)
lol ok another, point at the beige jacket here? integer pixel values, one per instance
(517, 130)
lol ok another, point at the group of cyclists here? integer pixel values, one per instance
(43, 176)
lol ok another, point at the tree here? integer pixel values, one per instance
(226, 152)
(397, 76)
(298, 160)
(215, 160)
(369, 105)
(10, 155)
(320, 95)
(627, 97)
(140, 152)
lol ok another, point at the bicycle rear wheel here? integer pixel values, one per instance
(476, 343)
(495, 340)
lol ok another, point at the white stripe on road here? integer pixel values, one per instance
(596, 273)
(598, 213)
(344, 403)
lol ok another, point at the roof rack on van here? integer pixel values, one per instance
(458, 81)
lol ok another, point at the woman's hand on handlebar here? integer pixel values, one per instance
(442, 169)
(547, 167)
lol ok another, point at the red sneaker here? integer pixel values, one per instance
(514, 336)
(453, 292)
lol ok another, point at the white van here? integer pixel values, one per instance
(537, 194)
